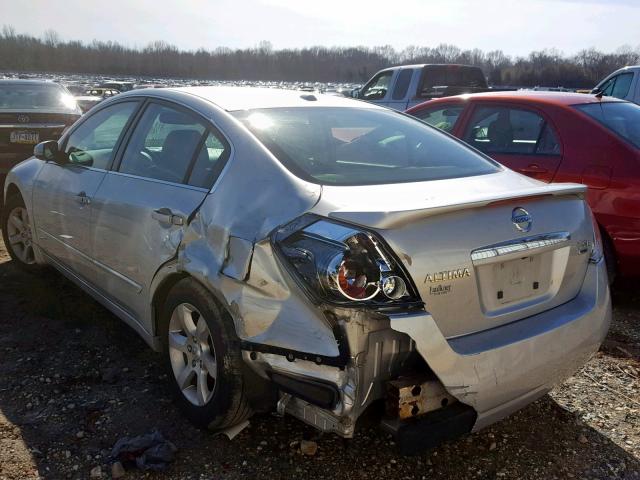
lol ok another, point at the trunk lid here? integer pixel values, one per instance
(483, 251)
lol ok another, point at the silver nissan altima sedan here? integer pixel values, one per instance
(316, 256)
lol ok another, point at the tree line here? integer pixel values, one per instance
(49, 53)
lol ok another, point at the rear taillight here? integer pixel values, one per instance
(343, 264)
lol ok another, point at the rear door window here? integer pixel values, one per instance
(93, 142)
(509, 130)
(442, 117)
(163, 144)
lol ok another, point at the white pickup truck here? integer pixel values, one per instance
(623, 83)
(405, 86)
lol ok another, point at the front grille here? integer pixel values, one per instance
(35, 117)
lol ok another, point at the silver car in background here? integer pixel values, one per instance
(318, 256)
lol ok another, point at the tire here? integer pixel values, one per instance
(18, 241)
(207, 402)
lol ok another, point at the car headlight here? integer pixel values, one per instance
(597, 251)
(343, 264)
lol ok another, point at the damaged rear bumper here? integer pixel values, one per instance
(501, 370)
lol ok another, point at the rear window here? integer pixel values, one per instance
(449, 76)
(357, 146)
(26, 96)
(621, 117)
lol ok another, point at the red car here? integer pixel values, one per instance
(560, 137)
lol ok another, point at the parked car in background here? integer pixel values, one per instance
(120, 86)
(317, 255)
(31, 111)
(561, 137)
(623, 83)
(94, 96)
(402, 87)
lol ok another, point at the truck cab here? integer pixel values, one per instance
(406, 86)
(623, 83)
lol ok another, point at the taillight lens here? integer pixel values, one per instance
(597, 251)
(343, 264)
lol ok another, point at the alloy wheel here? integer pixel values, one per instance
(192, 354)
(19, 235)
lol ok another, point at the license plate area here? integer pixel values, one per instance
(24, 137)
(516, 283)
(518, 279)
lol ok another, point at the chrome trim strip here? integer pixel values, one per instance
(527, 245)
(32, 125)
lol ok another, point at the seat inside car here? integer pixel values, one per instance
(500, 132)
(177, 147)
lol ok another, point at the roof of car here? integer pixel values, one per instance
(529, 96)
(247, 98)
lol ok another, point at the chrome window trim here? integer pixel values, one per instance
(156, 180)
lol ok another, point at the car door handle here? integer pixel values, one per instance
(83, 199)
(534, 168)
(165, 215)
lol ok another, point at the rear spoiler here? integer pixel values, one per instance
(386, 220)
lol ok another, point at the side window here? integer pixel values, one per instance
(444, 118)
(402, 84)
(622, 85)
(377, 88)
(209, 162)
(511, 131)
(163, 144)
(92, 144)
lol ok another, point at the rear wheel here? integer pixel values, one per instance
(17, 232)
(203, 358)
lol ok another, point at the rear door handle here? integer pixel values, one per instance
(83, 199)
(165, 215)
(534, 168)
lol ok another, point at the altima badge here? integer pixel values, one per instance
(521, 219)
(438, 277)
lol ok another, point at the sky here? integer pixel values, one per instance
(516, 27)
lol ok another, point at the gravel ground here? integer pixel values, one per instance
(74, 379)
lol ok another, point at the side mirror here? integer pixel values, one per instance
(48, 151)
(355, 93)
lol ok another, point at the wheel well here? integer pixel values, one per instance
(160, 295)
(12, 189)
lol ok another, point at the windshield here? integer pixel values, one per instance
(32, 96)
(361, 146)
(621, 117)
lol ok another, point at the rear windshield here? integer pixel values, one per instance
(27, 96)
(361, 146)
(452, 75)
(621, 117)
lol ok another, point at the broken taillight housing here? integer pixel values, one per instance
(343, 264)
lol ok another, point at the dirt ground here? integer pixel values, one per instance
(74, 379)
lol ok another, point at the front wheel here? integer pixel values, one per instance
(203, 358)
(17, 232)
